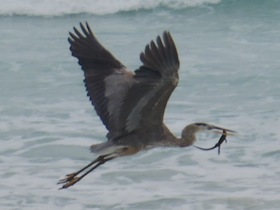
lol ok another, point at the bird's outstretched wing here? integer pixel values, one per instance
(127, 101)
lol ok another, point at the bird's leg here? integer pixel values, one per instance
(72, 178)
(76, 179)
(72, 175)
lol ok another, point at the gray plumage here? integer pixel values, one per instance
(130, 104)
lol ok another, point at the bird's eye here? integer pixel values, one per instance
(201, 124)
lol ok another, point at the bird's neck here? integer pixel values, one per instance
(187, 140)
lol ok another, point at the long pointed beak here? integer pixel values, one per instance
(219, 130)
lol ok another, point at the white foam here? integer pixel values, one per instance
(98, 7)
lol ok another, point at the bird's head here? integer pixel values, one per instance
(189, 132)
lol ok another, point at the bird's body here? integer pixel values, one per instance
(140, 140)
(130, 104)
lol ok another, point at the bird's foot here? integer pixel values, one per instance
(68, 178)
(69, 182)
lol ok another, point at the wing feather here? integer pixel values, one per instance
(97, 64)
(164, 62)
(126, 101)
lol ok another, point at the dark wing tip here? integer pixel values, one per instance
(161, 55)
(171, 47)
(85, 29)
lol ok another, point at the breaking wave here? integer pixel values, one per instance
(95, 7)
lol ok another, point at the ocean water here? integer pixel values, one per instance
(229, 76)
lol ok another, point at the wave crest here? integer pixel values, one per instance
(96, 7)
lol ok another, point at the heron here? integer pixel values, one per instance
(130, 104)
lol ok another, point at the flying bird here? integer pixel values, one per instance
(130, 104)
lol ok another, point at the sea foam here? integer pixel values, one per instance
(96, 7)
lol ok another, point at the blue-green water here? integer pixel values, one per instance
(229, 76)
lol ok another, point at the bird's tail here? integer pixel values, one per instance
(106, 148)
